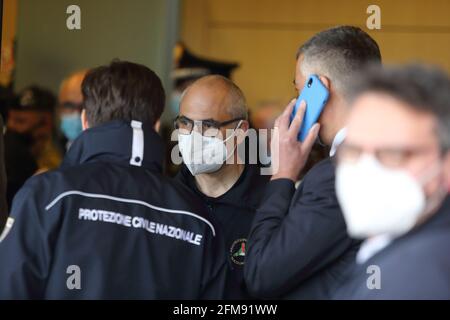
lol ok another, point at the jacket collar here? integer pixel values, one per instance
(134, 144)
(246, 192)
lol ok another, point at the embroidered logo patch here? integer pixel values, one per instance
(237, 251)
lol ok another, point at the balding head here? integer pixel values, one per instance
(213, 97)
(70, 89)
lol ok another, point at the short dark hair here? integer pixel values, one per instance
(339, 53)
(122, 90)
(423, 88)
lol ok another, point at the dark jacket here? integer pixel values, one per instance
(298, 247)
(234, 212)
(109, 213)
(414, 266)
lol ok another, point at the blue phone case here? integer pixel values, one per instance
(315, 95)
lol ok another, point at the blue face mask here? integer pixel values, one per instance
(71, 125)
(174, 103)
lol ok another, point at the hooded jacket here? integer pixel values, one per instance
(108, 225)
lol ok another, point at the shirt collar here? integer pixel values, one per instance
(338, 139)
(372, 246)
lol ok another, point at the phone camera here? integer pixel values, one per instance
(310, 83)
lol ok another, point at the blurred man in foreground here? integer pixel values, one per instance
(392, 182)
(30, 137)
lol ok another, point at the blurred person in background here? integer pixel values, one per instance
(392, 179)
(70, 106)
(30, 137)
(6, 97)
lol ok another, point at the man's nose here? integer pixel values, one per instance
(197, 127)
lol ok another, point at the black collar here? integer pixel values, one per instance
(112, 142)
(246, 192)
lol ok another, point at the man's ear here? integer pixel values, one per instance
(325, 81)
(157, 125)
(242, 131)
(84, 122)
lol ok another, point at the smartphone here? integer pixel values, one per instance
(315, 94)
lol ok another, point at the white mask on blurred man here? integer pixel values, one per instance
(379, 200)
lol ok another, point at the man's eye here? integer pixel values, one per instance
(392, 157)
(208, 125)
(184, 121)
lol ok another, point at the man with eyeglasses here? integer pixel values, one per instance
(392, 181)
(211, 124)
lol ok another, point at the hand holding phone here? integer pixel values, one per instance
(288, 154)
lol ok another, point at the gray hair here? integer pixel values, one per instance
(339, 54)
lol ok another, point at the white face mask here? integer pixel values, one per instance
(204, 154)
(378, 200)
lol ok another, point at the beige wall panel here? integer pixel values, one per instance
(263, 35)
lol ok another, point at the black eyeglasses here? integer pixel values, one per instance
(209, 127)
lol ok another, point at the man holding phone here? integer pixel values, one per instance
(302, 232)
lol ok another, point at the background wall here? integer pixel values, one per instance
(263, 35)
(140, 30)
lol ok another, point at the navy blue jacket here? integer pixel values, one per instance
(110, 218)
(234, 211)
(414, 266)
(298, 247)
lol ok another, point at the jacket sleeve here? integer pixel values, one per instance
(294, 235)
(24, 250)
